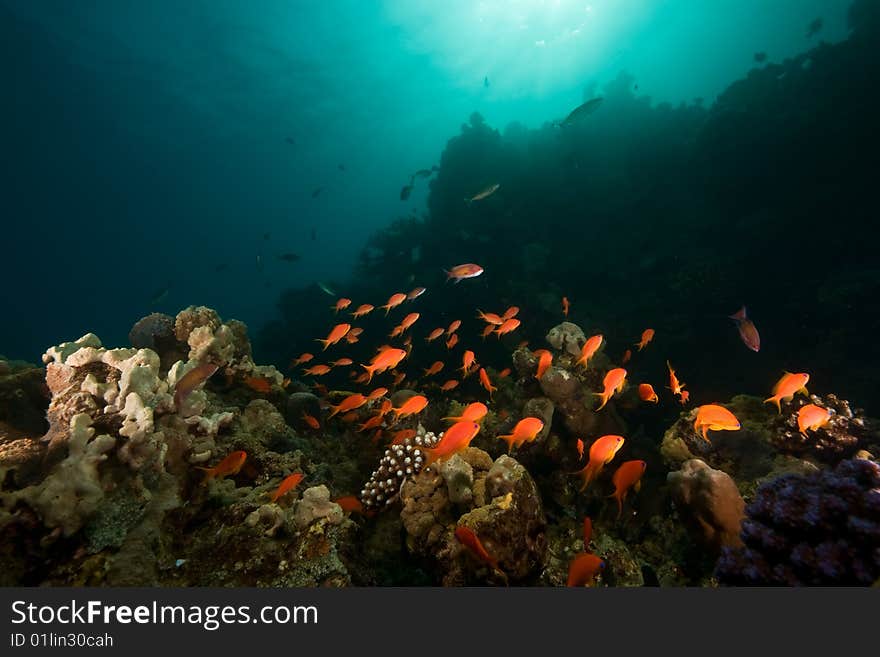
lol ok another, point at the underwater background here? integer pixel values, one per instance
(264, 160)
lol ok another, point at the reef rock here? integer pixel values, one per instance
(709, 503)
(567, 337)
(505, 513)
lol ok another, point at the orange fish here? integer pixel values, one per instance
(434, 369)
(503, 374)
(192, 380)
(456, 438)
(304, 358)
(320, 389)
(385, 360)
(748, 333)
(409, 320)
(433, 335)
(413, 405)
(486, 382)
(685, 396)
(316, 370)
(350, 504)
(350, 403)
(398, 330)
(350, 338)
(349, 417)
(452, 341)
(469, 539)
(526, 430)
(674, 384)
(285, 382)
(355, 331)
(590, 347)
(787, 386)
(363, 309)
(545, 358)
(453, 327)
(372, 423)
(646, 393)
(627, 476)
(378, 392)
(812, 417)
(228, 466)
(398, 378)
(490, 318)
(467, 360)
(363, 377)
(290, 482)
(311, 421)
(647, 336)
(399, 436)
(341, 304)
(583, 569)
(510, 313)
(602, 452)
(509, 326)
(565, 306)
(408, 341)
(336, 334)
(460, 272)
(580, 449)
(342, 362)
(449, 385)
(415, 293)
(614, 381)
(393, 301)
(473, 413)
(626, 356)
(258, 384)
(716, 418)
(487, 330)
(588, 532)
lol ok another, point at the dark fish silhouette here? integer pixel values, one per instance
(290, 140)
(221, 267)
(582, 111)
(267, 236)
(814, 27)
(760, 57)
(341, 167)
(486, 81)
(259, 262)
(424, 173)
(160, 295)
(288, 257)
(405, 192)
(316, 192)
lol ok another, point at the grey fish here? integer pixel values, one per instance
(326, 289)
(486, 81)
(160, 295)
(760, 57)
(484, 193)
(424, 173)
(288, 257)
(582, 111)
(259, 262)
(405, 192)
(316, 192)
(814, 27)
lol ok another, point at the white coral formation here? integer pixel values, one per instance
(73, 490)
(315, 505)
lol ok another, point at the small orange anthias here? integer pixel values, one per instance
(602, 452)
(486, 382)
(614, 381)
(526, 430)
(565, 306)
(716, 418)
(787, 386)
(231, 465)
(473, 413)
(627, 476)
(811, 417)
(583, 569)
(288, 484)
(646, 393)
(545, 359)
(336, 334)
(590, 347)
(455, 439)
(676, 386)
(467, 537)
(647, 336)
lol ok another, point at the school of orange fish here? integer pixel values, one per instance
(464, 427)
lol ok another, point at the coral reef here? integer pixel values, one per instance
(709, 503)
(819, 529)
(503, 508)
(398, 464)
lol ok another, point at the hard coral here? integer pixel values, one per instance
(821, 529)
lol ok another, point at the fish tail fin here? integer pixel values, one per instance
(370, 369)
(739, 314)
(587, 473)
(326, 343)
(804, 391)
(604, 398)
(509, 439)
(775, 400)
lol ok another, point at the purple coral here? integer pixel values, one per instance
(821, 529)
